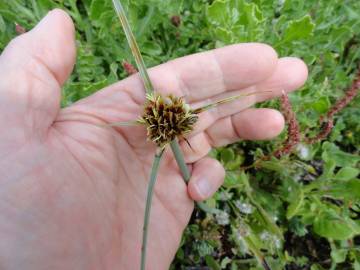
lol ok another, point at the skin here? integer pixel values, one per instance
(72, 193)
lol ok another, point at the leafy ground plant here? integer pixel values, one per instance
(312, 194)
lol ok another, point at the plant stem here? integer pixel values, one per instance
(150, 192)
(133, 46)
(179, 157)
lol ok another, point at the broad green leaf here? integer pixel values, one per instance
(225, 262)
(227, 155)
(217, 12)
(344, 190)
(223, 34)
(341, 158)
(339, 255)
(347, 173)
(320, 105)
(250, 15)
(97, 7)
(316, 267)
(354, 188)
(151, 48)
(357, 265)
(332, 226)
(295, 205)
(299, 29)
(232, 180)
(339, 37)
(230, 160)
(329, 168)
(212, 263)
(235, 20)
(273, 165)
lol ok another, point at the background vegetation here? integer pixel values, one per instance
(301, 211)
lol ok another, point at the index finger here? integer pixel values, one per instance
(203, 75)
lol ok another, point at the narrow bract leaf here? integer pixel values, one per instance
(121, 124)
(150, 192)
(133, 46)
(227, 100)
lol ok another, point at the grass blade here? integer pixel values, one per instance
(150, 192)
(133, 46)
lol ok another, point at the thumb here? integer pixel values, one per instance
(33, 68)
(207, 176)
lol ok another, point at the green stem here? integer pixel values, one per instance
(133, 46)
(179, 157)
(150, 192)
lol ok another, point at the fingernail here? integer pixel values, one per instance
(204, 188)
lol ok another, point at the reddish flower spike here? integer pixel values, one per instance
(129, 68)
(19, 29)
(327, 121)
(293, 131)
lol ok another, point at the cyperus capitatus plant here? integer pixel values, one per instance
(167, 119)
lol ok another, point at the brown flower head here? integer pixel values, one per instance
(176, 20)
(167, 118)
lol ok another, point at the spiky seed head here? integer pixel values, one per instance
(167, 118)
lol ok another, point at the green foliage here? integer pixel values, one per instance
(300, 212)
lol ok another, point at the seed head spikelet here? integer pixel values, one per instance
(167, 118)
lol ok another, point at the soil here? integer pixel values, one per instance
(316, 249)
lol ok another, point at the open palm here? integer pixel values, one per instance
(72, 193)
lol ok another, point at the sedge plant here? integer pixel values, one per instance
(167, 120)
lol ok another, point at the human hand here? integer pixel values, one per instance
(72, 194)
